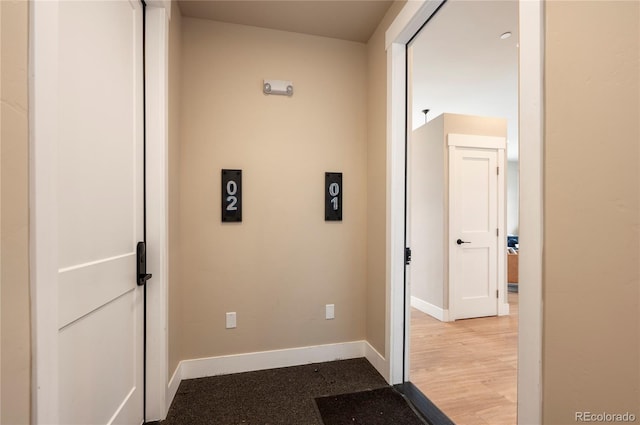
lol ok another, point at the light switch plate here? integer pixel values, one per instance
(231, 320)
(330, 312)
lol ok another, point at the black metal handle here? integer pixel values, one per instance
(460, 242)
(141, 269)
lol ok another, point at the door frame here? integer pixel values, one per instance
(43, 126)
(531, 112)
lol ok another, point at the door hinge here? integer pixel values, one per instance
(497, 293)
(497, 232)
(498, 170)
(407, 256)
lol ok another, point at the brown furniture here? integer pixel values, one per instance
(512, 268)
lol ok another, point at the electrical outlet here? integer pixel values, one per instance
(231, 320)
(330, 312)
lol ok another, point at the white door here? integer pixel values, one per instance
(474, 226)
(100, 212)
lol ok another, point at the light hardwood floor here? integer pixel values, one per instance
(468, 368)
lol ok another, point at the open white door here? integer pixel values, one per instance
(89, 109)
(100, 212)
(474, 232)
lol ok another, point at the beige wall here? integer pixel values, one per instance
(175, 56)
(15, 355)
(469, 124)
(377, 182)
(426, 213)
(591, 353)
(283, 263)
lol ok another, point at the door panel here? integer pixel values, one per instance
(474, 187)
(100, 51)
(474, 276)
(109, 280)
(100, 212)
(96, 370)
(475, 198)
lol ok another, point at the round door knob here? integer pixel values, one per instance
(460, 242)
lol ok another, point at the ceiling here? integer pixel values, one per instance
(461, 65)
(353, 20)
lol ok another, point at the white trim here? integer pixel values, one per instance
(503, 308)
(172, 387)
(453, 219)
(160, 4)
(395, 222)
(410, 19)
(247, 362)
(430, 309)
(157, 54)
(43, 215)
(476, 141)
(502, 231)
(376, 359)
(531, 106)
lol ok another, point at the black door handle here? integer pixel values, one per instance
(141, 266)
(460, 242)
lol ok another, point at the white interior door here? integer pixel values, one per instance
(474, 227)
(100, 212)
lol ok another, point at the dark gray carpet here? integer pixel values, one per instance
(382, 406)
(269, 397)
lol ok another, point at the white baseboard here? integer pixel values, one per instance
(503, 309)
(430, 309)
(172, 388)
(247, 362)
(377, 360)
(237, 363)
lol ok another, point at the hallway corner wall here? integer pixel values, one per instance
(281, 265)
(376, 294)
(15, 344)
(175, 65)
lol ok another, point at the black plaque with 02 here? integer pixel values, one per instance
(231, 196)
(333, 196)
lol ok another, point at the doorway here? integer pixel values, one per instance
(402, 31)
(469, 80)
(465, 84)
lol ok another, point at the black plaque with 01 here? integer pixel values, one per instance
(231, 196)
(333, 196)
